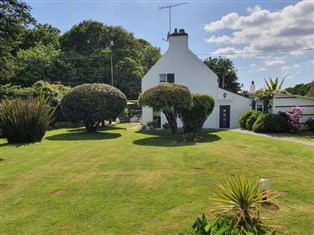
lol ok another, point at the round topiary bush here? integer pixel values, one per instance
(270, 123)
(170, 98)
(244, 117)
(93, 103)
(252, 119)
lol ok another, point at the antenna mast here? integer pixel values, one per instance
(169, 7)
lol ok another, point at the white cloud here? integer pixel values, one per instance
(260, 69)
(296, 66)
(291, 28)
(274, 63)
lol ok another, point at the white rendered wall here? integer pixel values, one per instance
(238, 105)
(188, 70)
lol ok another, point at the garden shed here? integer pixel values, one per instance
(180, 65)
(284, 102)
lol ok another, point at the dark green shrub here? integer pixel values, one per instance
(244, 117)
(252, 119)
(23, 121)
(93, 103)
(194, 118)
(170, 98)
(153, 124)
(310, 122)
(270, 123)
(223, 226)
(166, 125)
(9, 91)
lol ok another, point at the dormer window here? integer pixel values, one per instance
(166, 77)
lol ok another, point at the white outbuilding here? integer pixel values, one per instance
(180, 65)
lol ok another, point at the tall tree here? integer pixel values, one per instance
(42, 33)
(226, 72)
(14, 15)
(90, 47)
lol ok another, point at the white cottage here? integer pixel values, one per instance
(179, 65)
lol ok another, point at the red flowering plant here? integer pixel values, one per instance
(293, 117)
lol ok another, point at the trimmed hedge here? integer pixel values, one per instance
(93, 103)
(270, 123)
(244, 117)
(194, 118)
(252, 119)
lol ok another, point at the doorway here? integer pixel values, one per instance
(224, 116)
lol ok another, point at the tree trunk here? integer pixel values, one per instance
(91, 127)
(172, 119)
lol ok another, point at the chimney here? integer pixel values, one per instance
(252, 87)
(178, 40)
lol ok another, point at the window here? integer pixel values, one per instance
(166, 77)
(170, 77)
(162, 77)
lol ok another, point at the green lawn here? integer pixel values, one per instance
(300, 135)
(126, 182)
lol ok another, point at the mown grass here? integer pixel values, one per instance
(129, 182)
(300, 135)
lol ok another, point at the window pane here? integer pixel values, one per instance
(170, 77)
(162, 77)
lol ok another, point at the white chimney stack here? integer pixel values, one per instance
(252, 87)
(178, 40)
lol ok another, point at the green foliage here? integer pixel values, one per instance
(153, 124)
(9, 91)
(93, 103)
(36, 63)
(241, 197)
(92, 44)
(14, 16)
(270, 123)
(44, 34)
(310, 122)
(128, 77)
(252, 119)
(23, 121)
(274, 85)
(170, 98)
(223, 226)
(263, 94)
(194, 118)
(225, 70)
(166, 126)
(302, 89)
(244, 117)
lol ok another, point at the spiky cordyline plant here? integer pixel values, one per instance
(242, 197)
(24, 121)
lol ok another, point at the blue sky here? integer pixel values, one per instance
(264, 38)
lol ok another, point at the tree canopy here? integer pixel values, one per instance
(302, 89)
(226, 72)
(14, 16)
(170, 98)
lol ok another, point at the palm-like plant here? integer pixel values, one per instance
(273, 85)
(242, 197)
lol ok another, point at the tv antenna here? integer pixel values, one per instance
(169, 7)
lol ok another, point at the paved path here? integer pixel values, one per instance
(273, 136)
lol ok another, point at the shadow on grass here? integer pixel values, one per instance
(305, 135)
(101, 128)
(17, 145)
(168, 140)
(80, 135)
